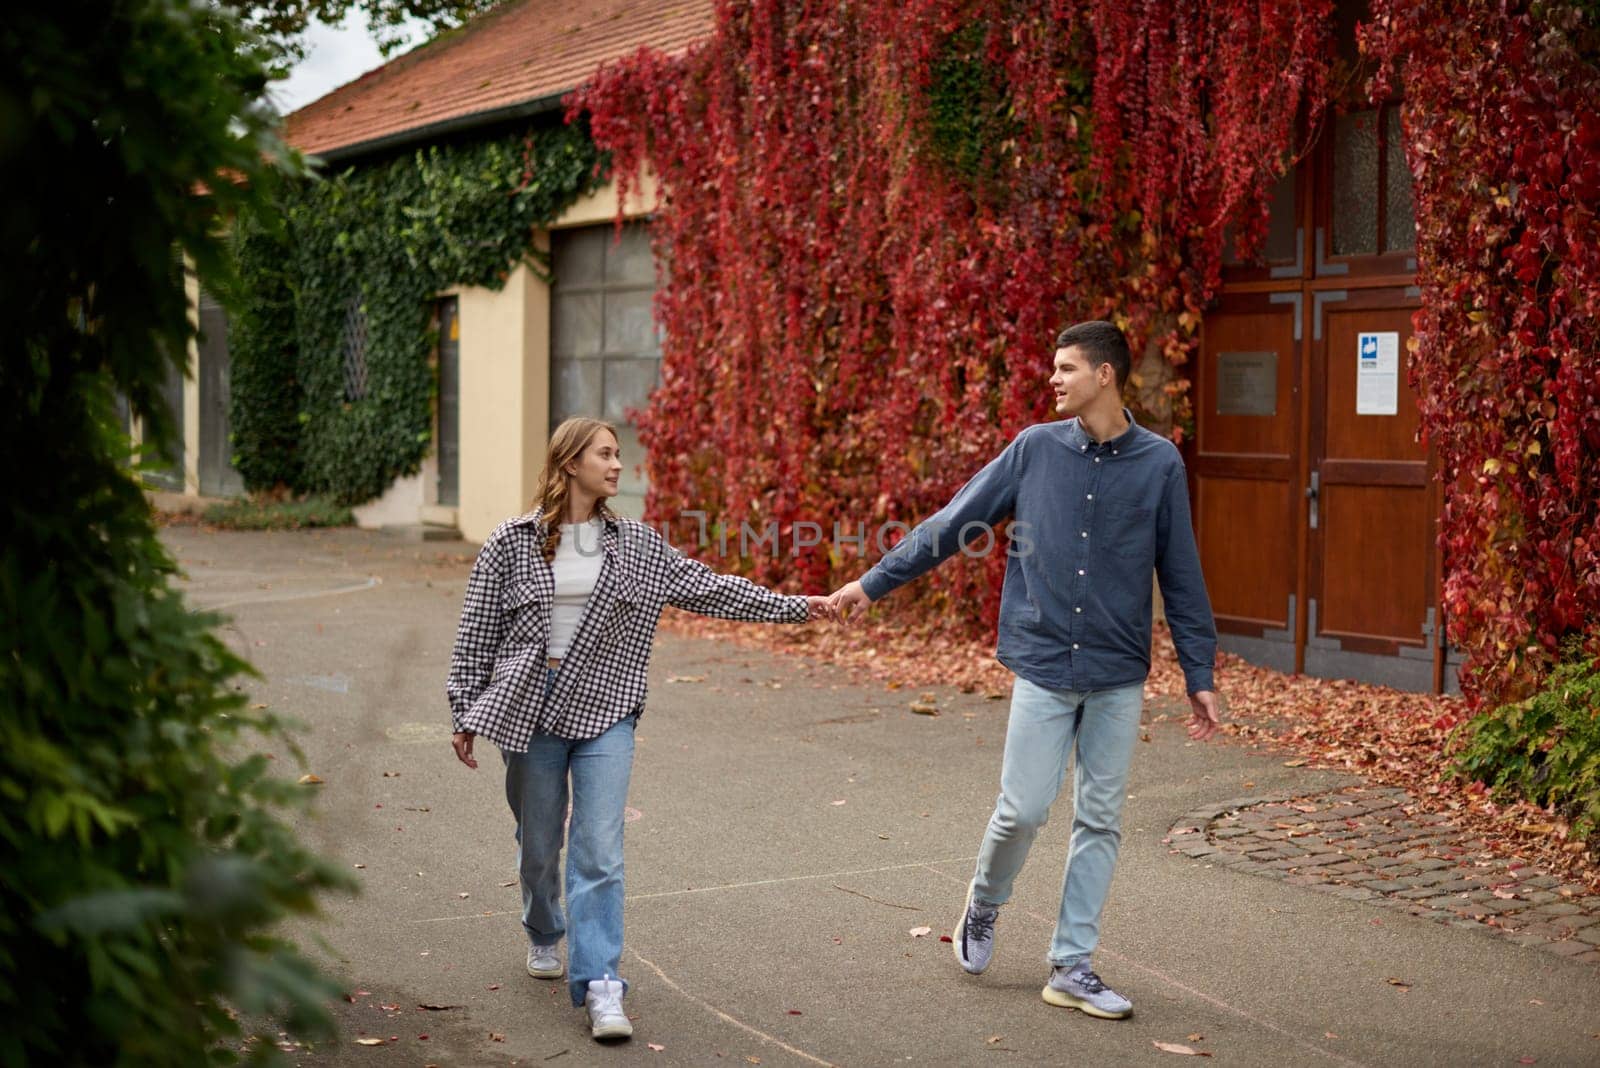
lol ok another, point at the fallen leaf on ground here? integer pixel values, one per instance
(309, 780)
(1504, 895)
(1174, 1047)
(436, 1008)
(1329, 1034)
(513, 882)
(796, 1012)
(1297, 763)
(369, 1041)
(687, 678)
(992, 1039)
(1400, 984)
(924, 708)
(839, 802)
(945, 938)
(391, 775)
(463, 894)
(753, 1060)
(361, 865)
(496, 1036)
(1197, 1037)
(654, 1046)
(1527, 1060)
(493, 986)
(918, 932)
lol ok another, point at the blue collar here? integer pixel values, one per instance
(1079, 438)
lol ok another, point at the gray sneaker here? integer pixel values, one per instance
(1079, 988)
(544, 962)
(974, 935)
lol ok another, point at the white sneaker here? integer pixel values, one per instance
(544, 962)
(604, 1004)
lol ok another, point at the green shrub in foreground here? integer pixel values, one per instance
(145, 858)
(1545, 748)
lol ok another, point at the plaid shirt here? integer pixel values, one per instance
(498, 668)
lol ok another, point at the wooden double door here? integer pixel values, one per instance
(1314, 500)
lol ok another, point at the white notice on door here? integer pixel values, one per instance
(1378, 374)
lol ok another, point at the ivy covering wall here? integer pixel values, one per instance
(879, 214)
(1502, 130)
(332, 385)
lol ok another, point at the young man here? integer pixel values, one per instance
(1099, 503)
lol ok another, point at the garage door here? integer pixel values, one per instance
(605, 351)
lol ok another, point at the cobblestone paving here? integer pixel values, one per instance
(1371, 843)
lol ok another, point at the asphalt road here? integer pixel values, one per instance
(789, 828)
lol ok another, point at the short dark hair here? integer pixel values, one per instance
(1101, 343)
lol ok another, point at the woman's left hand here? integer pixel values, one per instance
(821, 608)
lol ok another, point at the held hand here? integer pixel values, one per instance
(847, 598)
(1203, 722)
(820, 608)
(461, 742)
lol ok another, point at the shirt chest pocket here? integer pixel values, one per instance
(623, 619)
(527, 614)
(1128, 532)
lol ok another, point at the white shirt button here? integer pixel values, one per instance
(1097, 459)
(1086, 533)
(1074, 645)
(1089, 497)
(1078, 608)
(1080, 570)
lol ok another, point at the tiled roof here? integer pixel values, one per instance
(520, 52)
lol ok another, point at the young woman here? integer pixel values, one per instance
(549, 664)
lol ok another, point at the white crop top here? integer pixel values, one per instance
(577, 569)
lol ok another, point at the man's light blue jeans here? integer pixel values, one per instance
(536, 790)
(1098, 731)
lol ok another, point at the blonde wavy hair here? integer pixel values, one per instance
(566, 445)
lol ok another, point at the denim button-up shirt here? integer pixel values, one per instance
(1092, 521)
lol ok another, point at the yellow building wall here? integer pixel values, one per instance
(505, 377)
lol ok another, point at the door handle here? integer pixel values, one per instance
(1313, 492)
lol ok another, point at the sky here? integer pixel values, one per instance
(334, 55)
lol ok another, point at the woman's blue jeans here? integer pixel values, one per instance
(1098, 729)
(537, 791)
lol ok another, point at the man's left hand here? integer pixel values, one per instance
(1204, 722)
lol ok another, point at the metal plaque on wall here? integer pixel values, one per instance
(1247, 383)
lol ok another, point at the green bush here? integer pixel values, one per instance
(265, 398)
(1546, 748)
(333, 388)
(261, 513)
(145, 860)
